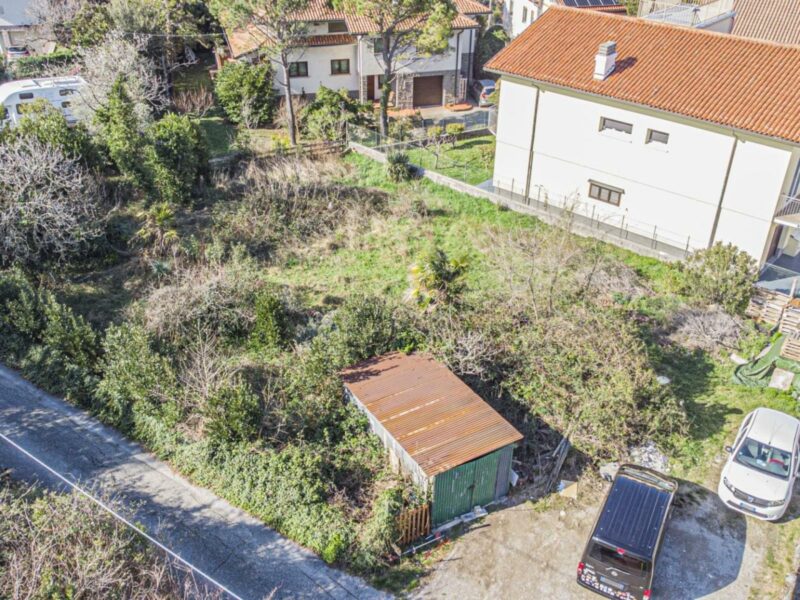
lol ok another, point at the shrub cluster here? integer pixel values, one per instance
(245, 93)
(327, 115)
(43, 65)
(55, 545)
(722, 275)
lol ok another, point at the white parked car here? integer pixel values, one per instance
(759, 476)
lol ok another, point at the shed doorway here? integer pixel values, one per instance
(476, 483)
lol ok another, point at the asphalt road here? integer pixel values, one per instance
(248, 558)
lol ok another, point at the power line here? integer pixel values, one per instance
(125, 521)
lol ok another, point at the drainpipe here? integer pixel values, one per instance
(724, 189)
(533, 139)
(458, 60)
(471, 64)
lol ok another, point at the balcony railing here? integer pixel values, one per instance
(790, 205)
(680, 12)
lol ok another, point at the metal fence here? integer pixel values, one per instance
(573, 209)
(416, 136)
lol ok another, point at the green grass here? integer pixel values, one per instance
(219, 133)
(467, 161)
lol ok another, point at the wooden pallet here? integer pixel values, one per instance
(767, 306)
(790, 321)
(791, 349)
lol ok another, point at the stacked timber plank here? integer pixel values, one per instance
(767, 306)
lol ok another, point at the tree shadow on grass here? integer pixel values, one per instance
(693, 376)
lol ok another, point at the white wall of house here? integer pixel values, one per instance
(760, 174)
(319, 69)
(446, 61)
(518, 14)
(675, 187)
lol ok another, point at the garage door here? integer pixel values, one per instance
(428, 90)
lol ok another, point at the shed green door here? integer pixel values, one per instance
(485, 479)
(452, 493)
(459, 490)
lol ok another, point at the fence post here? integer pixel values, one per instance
(655, 227)
(591, 219)
(688, 237)
(621, 225)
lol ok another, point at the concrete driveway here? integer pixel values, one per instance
(250, 559)
(526, 552)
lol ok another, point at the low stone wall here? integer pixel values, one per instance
(550, 217)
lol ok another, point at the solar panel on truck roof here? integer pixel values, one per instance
(632, 516)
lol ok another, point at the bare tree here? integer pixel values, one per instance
(122, 56)
(48, 203)
(53, 17)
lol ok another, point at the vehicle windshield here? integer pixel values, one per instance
(764, 458)
(614, 558)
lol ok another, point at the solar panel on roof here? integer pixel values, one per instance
(590, 3)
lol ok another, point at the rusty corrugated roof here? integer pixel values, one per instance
(732, 81)
(434, 416)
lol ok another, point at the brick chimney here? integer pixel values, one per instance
(605, 60)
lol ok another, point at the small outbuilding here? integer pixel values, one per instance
(436, 429)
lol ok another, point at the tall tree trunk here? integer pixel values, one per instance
(386, 88)
(289, 103)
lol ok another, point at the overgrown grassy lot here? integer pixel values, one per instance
(470, 159)
(213, 333)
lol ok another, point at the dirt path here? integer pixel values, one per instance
(525, 552)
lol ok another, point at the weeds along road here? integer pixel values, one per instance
(224, 542)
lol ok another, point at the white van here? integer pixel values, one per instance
(60, 92)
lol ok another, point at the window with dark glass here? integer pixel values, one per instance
(377, 45)
(66, 92)
(605, 193)
(340, 66)
(615, 125)
(298, 69)
(337, 27)
(657, 137)
(26, 96)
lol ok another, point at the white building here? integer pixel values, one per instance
(518, 14)
(15, 23)
(341, 52)
(60, 92)
(688, 136)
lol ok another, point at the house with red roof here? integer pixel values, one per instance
(683, 135)
(342, 51)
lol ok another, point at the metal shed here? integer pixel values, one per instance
(436, 429)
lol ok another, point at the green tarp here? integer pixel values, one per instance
(758, 372)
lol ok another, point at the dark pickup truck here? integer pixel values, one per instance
(619, 560)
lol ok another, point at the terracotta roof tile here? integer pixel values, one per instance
(434, 416)
(735, 82)
(471, 7)
(319, 10)
(359, 25)
(773, 20)
(250, 39)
